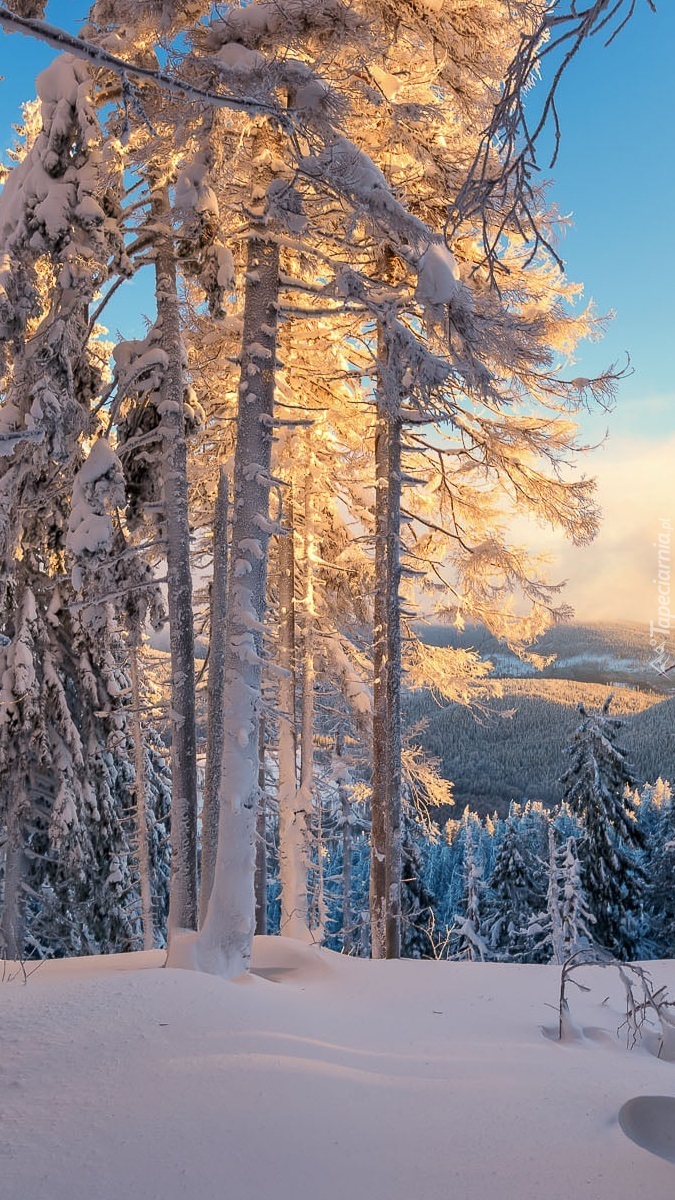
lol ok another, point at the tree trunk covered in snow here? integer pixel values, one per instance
(142, 847)
(393, 686)
(13, 913)
(215, 694)
(298, 831)
(385, 874)
(183, 898)
(292, 836)
(224, 944)
(261, 840)
(345, 816)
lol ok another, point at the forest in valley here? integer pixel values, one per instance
(353, 373)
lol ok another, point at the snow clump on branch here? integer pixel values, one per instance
(98, 488)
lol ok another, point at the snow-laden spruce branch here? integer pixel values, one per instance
(69, 43)
(499, 188)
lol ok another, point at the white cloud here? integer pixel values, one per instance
(614, 577)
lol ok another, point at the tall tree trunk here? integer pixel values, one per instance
(224, 944)
(261, 840)
(292, 830)
(345, 815)
(143, 849)
(305, 795)
(183, 895)
(319, 923)
(215, 694)
(385, 871)
(393, 685)
(13, 912)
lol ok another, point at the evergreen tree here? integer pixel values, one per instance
(577, 921)
(65, 769)
(660, 868)
(416, 899)
(565, 925)
(597, 792)
(517, 887)
(468, 940)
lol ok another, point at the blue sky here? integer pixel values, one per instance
(615, 177)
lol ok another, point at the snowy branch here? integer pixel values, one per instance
(65, 42)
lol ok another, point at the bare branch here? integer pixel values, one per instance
(500, 187)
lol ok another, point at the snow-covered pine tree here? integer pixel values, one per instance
(577, 920)
(64, 755)
(660, 867)
(597, 790)
(517, 887)
(467, 939)
(416, 899)
(224, 943)
(564, 927)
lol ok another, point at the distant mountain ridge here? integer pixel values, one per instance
(595, 652)
(514, 747)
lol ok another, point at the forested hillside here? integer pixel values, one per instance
(512, 747)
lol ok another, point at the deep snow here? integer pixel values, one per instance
(321, 1077)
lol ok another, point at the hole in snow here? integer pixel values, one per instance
(649, 1121)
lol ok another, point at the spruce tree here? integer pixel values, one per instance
(597, 788)
(517, 888)
(416, 899)
(565, 925)
(661, 868)
(468, 940)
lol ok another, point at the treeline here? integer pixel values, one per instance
(502, 889)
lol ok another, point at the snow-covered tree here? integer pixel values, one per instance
(468, 940)
(660, 866)
(517, 886)
(64, 751)
(596, 789)
(565, 926)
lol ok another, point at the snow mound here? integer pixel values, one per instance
(285, 960)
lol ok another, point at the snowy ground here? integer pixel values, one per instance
(322, 1078)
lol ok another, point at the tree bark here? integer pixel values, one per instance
(215, 694)
(292, 838)
(305, 797)
(183, 895)
(143, 849)
(261, 840)
(224, 944)
(393, 685)
(12, 916)
(385, 871)
(345, 813)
